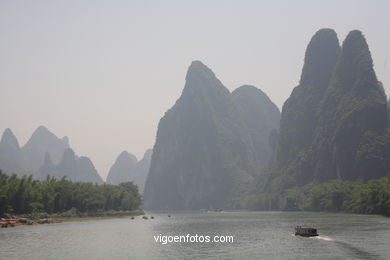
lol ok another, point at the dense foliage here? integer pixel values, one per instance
(355, 197)
(26, 195)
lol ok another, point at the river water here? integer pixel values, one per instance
(257, 235)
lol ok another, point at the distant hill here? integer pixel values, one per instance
(123, 170)
(127, 168)
(42, 141)
(11, 154)
(43, 154)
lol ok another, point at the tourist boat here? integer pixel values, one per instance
(305, 231)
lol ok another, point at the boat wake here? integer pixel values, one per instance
(324, 238)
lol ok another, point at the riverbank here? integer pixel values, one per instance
(44, 218)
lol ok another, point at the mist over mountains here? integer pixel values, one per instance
(209, 149)
(46, 154)
(214, 149)
(335, 125)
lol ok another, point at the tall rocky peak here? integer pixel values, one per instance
(354, 78)
(10, 154)
(202, 88)
(353, 115)
(340, 133)
(199, 76)
(42, 141)
(260, 115)
(299, 113)
(355, 62)
(355, 90)
(123, 170)
(320, 58)
(203, 151)
(9, 140)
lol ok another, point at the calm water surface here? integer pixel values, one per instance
(257, 235)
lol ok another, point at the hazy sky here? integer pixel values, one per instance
(104, 72)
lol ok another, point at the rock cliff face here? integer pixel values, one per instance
(299, 113)
(142, 170)
(261, 116)
(353, 114)
(204, 156)
(335, 123)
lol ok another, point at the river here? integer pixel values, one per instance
(257, 235)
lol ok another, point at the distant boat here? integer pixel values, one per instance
(305, 231)
(144, 217)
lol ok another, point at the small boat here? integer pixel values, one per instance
(144, 217)
(305, 231)
(132, 217)
(151, 217)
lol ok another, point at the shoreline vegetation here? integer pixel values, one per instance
(24, 200)
(372, 197)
